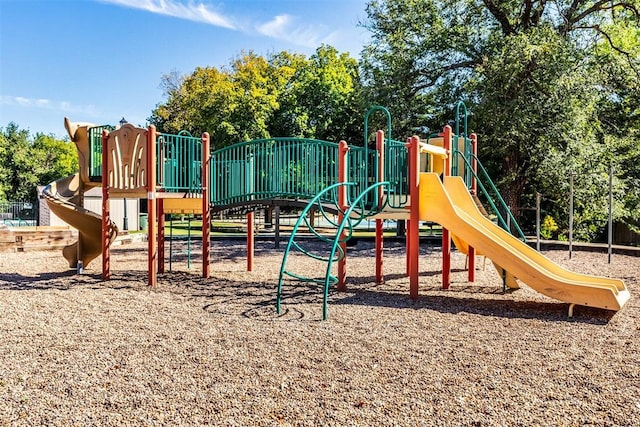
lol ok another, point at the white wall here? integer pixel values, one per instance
(93, 202)
(116, 210)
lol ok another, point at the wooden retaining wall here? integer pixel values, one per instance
(23, 239)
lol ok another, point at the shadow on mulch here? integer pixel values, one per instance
(62, 281)
(42, 281)
(257, 300)
(233, 297)
(454, 304)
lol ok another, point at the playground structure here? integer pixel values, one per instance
(397, 180)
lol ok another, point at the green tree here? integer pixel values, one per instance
(4, 167)
(58, 158)
(291, 117)
(19, 163)
(233, 103)
(328, 92)
(196, 103)
(27, 162)
(283, 94)
(255, 97)
(539, 77)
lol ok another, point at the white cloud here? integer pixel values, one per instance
(275, 28)
(46, 104)
(191, 11)
(284, 27)
(43, 103)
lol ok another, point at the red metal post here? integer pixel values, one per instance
(472, 264)
(206, 206)
(379, 251)
(379, 222)
(106, 275)
(413, 228)
(446, 237)
(407, 244)
(161, 236)
(343, 149)
(151, 206)
(474, 191)
(250, 241)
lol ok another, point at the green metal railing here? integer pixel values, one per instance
(492, 195)
(272, 168)
(397, 173)
(396, 162)
(95, 151)
(179, 162)
(507, 221)
(361, 166)
(296, 168)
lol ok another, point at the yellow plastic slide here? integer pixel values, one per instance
(63, 198)
(508, 278)
(451, 206)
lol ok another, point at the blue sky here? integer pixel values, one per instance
(100, 60)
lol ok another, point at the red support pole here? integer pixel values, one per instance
(151, 206)
(343, 149)
(105, 238)
(413, 228)
(474, 191)
(472, 264)
(206, 206)
(407, 245)
(379, 222)
(161, 236)
(446, 237)
(250, 241)
(379, 251)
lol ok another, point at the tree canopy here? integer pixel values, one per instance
(553, 86)
(254, 97)
(26, 162)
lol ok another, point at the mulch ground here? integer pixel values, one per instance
(75, 350)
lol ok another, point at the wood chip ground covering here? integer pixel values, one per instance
(76, 350)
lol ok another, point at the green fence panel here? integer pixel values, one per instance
(272, 168)
(179, 165)
(95, 151)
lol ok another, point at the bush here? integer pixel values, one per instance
(548, 227)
